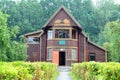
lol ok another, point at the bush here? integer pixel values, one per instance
(27, 71)
(96, 71)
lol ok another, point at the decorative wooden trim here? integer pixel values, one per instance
(106, 56)
(33, 33)
(71, 59)
(84, 49)
(60, 27)
(33, 36)
(45, 46)
(61, 47)
(49, 59)
(33, 43)
(70, 33)
(63, 39)
(64, 22)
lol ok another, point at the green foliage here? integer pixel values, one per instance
(31, 15)
(27, 71)
(10, 50)
(96, 71)
(111, 38)
(4, 31)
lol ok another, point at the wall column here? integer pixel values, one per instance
(87, 55)
(70, 33)
(53, 34)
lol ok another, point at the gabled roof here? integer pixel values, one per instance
(62, 7)
(96, 45)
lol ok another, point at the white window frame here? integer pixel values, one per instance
(50, 34)
(32, 40)
(74, 54)
(49, 54)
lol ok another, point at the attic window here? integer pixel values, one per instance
(33, 39)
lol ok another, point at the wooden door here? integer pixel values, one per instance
(55, 57)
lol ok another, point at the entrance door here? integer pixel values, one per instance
(62, 58)
(55, 57)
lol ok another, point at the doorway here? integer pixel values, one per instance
(62, 58)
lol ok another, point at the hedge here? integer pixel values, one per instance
(96, 71)
(27, 71)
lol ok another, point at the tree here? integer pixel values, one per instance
(10, 50)
(112, 40)
(31, 15)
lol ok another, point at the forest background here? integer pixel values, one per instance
(99, 20)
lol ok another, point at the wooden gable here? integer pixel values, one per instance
(64, 17)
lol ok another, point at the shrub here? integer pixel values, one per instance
(96, 71)
(27, 71)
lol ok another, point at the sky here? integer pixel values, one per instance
(117, 1)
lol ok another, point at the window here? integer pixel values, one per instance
(61, 33)
(33, 39)
(49, 53)
(50, 33)
(73, 34)
(74, 54)
(91, 56)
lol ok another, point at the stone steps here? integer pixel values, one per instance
(64, 68)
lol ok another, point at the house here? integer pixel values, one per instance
(62, 41)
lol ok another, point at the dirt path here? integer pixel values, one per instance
(64, 73)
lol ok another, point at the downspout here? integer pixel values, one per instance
(41, 43)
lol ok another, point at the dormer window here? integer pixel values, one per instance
(61, 33)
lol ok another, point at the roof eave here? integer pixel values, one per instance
(32, 33)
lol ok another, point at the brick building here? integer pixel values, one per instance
(62, 41)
